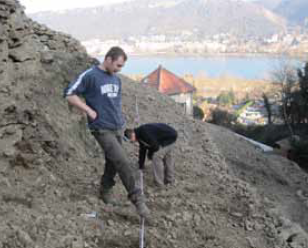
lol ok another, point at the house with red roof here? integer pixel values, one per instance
(170, 84)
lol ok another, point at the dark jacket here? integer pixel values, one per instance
(151, 137)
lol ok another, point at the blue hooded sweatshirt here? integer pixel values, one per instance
(103, 93)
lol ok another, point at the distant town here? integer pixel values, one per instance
(247, 112)
(294, 43)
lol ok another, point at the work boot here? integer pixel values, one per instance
(106, 195)
(141, 207)
(170, 184)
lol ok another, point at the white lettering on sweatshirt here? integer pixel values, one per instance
(110, 89)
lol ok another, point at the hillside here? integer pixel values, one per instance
(195, 18)
(269, 4)
(294, 10)
(228, 194)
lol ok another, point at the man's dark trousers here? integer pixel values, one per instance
(116, 162)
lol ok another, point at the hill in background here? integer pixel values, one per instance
(202, 18)
(269, 4)
(295, 11)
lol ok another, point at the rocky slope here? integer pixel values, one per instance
(228, 194)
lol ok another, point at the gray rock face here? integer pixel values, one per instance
(50, 165)
(23, 53)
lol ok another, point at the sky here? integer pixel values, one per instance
(33, 6)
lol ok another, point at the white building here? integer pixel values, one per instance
(170, 84)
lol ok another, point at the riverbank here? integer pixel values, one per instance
(245, 67)
(302, 56)
(208, 87)
(241, 88)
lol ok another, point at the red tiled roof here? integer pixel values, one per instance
(167, 82)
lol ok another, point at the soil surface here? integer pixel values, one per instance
(228, 194)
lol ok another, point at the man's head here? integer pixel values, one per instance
(130, 134)
(115, 59)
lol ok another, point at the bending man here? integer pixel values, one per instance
(156, 141)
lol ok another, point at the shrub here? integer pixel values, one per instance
(222, 117)
(198, 113)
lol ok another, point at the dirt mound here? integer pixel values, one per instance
(50, 165)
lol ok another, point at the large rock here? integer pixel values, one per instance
(4, 52)
(3, 33)
(27, 51)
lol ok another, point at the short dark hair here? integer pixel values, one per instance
(115, 52)
(128, 133)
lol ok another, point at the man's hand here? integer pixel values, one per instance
(150, 155)
(92, 114)
(77, 102)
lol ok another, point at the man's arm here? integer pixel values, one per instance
(78, 103)
(142, 155)
(149, 139)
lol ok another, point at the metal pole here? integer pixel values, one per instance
(141, 233)
(142, 228)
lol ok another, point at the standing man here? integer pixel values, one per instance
(156, 141)
(102, 91)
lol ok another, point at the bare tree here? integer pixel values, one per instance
(294, 95)
(303, 93)
(268, 108)
(286, 77)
